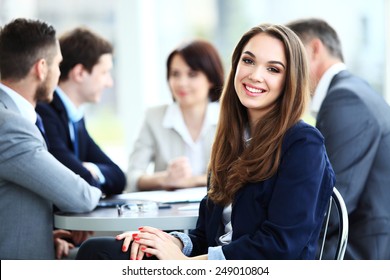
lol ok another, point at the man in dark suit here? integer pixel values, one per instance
(355, 121)
(85, 73)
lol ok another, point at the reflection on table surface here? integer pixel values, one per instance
(176, 196)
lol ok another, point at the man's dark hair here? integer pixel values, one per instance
(22, 43)
(81, 46)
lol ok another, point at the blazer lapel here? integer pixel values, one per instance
(343, 74)
(60, 108)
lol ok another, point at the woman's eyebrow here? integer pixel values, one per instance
(277, 62)
(249, 53)
(271, 61)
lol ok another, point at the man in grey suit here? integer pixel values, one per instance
(355, 121)
(31, 179)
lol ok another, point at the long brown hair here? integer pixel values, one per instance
(233, 162)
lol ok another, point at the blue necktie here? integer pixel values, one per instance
(39, 124)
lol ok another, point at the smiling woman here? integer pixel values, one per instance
(260, 75)
(270, 177)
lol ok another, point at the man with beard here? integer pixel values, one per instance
(31, 179)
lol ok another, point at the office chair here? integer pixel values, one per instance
(338, 201)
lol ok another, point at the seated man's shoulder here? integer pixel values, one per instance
(159, 109)
(43, 109)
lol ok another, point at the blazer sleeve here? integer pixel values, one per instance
(142, 155)
(115, 180)
(199, 235)
(26, 162)
(351, 148)
(60, 146)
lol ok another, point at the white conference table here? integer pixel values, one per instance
(182, 213)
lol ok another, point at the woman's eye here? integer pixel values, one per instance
(247, 60)
(193, 74)
(273, 69)
(174, 74)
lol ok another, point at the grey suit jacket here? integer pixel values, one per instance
(159, 145)
(355, 121)
(31, 181)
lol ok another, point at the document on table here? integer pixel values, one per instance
(177, 196)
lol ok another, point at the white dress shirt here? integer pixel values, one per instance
(173, 119)
(26, 109)
(322, 87)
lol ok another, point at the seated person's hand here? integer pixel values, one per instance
(135, 253)
(150, 241)
(79, 236)
(62, 246)
(158, 243)
(91, 170)
(179, 174)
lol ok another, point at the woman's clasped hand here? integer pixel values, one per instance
(150, 241)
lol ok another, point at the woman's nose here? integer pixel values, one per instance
(257, 75)
(182, 81)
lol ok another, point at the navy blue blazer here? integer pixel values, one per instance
(279, 218)
(56, 123)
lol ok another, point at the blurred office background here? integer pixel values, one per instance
(145, 31)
